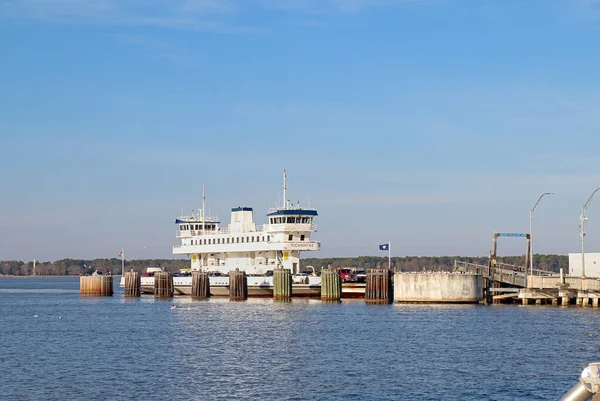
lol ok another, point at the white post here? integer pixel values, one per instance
(390, 256)
(582, 235)
(582, 220)
(284, 190)
(34, 266)
(531, 234)
(123, 262)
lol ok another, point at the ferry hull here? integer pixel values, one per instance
(257, 287)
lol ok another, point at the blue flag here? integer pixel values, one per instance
(384, 247)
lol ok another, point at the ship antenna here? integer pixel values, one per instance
(203, 215)
(284, 190)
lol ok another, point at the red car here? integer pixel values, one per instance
(347, 276)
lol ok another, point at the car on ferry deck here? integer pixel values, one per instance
(361, 275)
(347, 275)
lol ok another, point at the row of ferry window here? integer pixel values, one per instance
(209, 241)
(197, 227)
(290, 220)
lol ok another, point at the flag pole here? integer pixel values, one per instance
(123, 262)
(390, 255)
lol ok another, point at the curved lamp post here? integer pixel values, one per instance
(531, 232)
(582, 220)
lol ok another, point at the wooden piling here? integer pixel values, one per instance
(579, 301)
(282, 285)
(554, 301)
(96, 286)
(200, 284)
(163, 284)
(238, 285)
(564, 301)
(133, 284)
(586, 302)
(594, 302)
(378, 289)
(538, 301)
(331, 286)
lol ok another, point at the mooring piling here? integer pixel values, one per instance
(378, 288)
(238, 285)
(200, 284)
(282, 285)
(163, 284)
(331, 286)
(133, 284)
(96, 285)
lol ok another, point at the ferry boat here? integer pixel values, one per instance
(257, 249)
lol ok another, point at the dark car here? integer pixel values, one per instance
(361, 276)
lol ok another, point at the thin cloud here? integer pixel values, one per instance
(205, 15)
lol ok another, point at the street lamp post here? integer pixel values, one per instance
(531, 232)
(582, 220)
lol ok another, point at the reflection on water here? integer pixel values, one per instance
(122, 348)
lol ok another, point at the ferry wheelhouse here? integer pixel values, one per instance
(257, 249)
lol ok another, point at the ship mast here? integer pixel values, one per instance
(203, 215)
(284, 190)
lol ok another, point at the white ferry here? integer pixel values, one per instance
(257, 249)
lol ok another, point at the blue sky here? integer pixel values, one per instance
(430, 124)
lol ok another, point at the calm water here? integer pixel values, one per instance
(139, 349)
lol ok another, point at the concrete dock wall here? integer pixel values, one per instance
(438, 287)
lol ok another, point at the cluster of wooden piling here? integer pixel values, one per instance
(379, 287)
(238, 285)
(96, 286)
(282, 285)
(331, 286)
(133, 284)
(200, 284)
(163, 284)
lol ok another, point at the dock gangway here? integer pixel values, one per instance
(500, 272)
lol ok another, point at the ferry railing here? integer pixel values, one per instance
(588, 385)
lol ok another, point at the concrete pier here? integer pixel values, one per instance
(438, 287)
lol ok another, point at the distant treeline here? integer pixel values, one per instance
(76, 267)
(434, 263)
